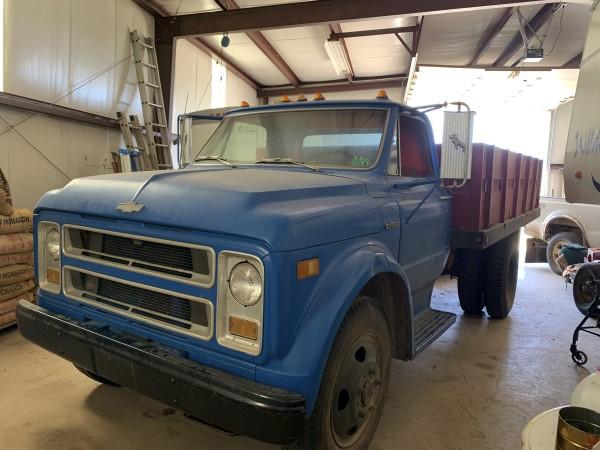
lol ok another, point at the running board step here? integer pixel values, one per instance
(429, 326)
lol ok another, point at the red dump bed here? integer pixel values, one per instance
(501, 196)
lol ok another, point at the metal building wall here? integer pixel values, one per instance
(74, 53)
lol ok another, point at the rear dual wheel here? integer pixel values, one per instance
(489, 278)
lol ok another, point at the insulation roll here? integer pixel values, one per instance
(14, 290)
(16, 258)
(19, 221)
(15, 273)
(16, 243)
(8, 306)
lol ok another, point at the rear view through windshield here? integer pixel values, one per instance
(336, 138)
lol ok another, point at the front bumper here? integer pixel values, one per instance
(230, 402)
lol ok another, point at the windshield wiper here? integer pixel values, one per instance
(286, 161)
(215, 158)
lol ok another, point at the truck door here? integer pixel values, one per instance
(423, 205)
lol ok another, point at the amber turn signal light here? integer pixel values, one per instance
(319, 96)
(244, 104)
(53, 276)
(244, 328)
(307, 268)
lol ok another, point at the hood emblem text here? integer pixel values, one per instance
(129, 207)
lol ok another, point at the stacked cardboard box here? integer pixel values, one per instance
(16, 256)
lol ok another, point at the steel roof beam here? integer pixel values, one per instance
(334, 86)
(211, 51)
(324, 11)
(491, 33)
(264, 46)
(361, 33)
(533, 26)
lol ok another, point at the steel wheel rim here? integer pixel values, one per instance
(357, 391)
(556, 250)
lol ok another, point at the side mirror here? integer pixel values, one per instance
(457, 144)
(184, 141)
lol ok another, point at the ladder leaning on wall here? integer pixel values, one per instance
(154, 144)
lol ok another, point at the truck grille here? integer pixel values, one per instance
(166, 259)
(145, 303)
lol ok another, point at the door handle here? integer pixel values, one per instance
(445, 197)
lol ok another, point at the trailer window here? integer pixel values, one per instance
(415, 160)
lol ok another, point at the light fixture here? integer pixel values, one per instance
(225, 40)
(337, 56)
(533, 55)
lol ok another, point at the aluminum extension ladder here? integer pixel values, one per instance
(151, 96)
(132, 129)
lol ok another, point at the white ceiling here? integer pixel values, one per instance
(482, 89)
(446, 39)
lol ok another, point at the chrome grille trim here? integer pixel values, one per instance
(86, 297)
(128, 263)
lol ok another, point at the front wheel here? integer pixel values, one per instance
(354, 383)
(555, 245)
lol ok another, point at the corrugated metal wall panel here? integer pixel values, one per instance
(51, 49)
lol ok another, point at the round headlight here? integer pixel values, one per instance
(53, 244)
(245, 284)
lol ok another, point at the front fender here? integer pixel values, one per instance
(301, 368)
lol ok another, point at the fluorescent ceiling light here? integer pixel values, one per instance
(337, 56)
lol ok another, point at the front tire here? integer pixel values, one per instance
(555, 244)
(354, 384)
(502, 268)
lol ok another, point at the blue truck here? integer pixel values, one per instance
(265, 288)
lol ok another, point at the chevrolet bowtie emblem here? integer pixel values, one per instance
(129, 207)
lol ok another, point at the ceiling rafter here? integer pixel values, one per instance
(264, 46)
(296, 14)
(491, 34)
(545, 13)
(362, 33)
(213, 52)
(374, 83)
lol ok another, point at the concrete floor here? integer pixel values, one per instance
(475, 388)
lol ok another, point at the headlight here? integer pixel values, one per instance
(53, 244)
(245, 284)
(240, 302)
(49, 249)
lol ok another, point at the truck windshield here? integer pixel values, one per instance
(334, 138)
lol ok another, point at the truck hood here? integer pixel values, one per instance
(287, 208)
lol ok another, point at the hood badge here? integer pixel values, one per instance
(129, 207)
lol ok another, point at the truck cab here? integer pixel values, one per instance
(264, 288)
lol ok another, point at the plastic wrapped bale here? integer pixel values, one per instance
(16, 243)
(19, 221)
(15, 273)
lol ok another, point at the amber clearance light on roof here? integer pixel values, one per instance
(307, 268)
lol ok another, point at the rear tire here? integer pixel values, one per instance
(354, 384)
(96, 377)
(555, 243)
(502, 268)
(470, 272)
(582, 294)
